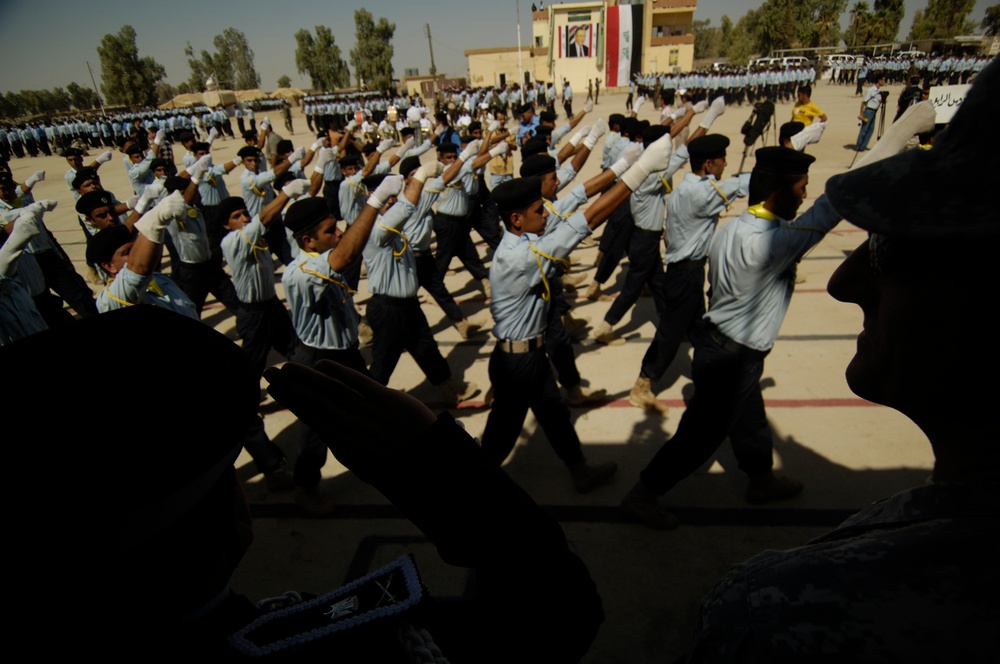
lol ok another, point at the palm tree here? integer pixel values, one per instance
(858, 13)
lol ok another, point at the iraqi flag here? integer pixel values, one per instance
(623, 34)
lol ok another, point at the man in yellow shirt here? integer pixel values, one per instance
(805, 111)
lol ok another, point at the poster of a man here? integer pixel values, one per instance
(578, 41)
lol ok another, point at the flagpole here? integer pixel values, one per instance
(520, 66)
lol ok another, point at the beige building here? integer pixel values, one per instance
(571, 41)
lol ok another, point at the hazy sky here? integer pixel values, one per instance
(47, 43)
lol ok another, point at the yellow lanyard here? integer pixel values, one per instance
(345, 287)
(759, 211)
(406, 241)
(153, 287)
(561, 262)
(254, 248)
(667, 185)
(728, 204)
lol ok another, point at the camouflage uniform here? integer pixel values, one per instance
(910, 578)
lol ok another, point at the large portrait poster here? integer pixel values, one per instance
(577, 41)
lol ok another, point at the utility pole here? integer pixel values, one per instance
(427, 31)
(96, 91)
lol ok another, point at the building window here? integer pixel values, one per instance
(539, 42)
(674, 57)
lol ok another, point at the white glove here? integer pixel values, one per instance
(322, 159)
(266, 124)
(588, 107)
(470, 151)
(149, 194)
(580, 134)
(35, 178)
(104, 157)
(38, 208)
(717, 108)
(679, 113)
(320, 143)
(48, 204)
(655, 158)
(638, 104)
(199, 167)
(385, 145)
(154, 223)
(131, 203)
(297, 155)
(351, 126)
(237, 160)
(438, 130)
(499, 149)
(160, 138)
(296, 188)
(700, 106)
(626, 158)
(596, 132)
(429, 170)
(391, 186)
(493, 126)
(213, 133)
(917, 119)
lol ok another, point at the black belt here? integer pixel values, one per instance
(734, 347)
(643, 231)
(688, 264)
(389, 299)
(521, 345)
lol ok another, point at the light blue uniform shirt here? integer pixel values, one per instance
(752, 271)
(190, 237)
(648, 203)
(159, 290)
(454, 199)
(257, 190)
(389, 274)
(212, 187)
(139, 174)
(693, 210)
(322, 311)
(250, 262)
(517, 279)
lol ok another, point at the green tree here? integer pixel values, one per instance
(320, 59)
(232, 63)
(991, 21)
(942, 19)
(371, 56)
(707, 40)
(125, 77)
(284, 81)
(82, 98)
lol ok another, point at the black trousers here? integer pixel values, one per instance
(263, 326)
(312, 448)
(558, 342)
(727, 401)
(61, 277)
(682, 291)
(433, 282)
(644, 265)
(522, 381)
(398, 324)
(197, 280)
(614, 241)
(453, 241)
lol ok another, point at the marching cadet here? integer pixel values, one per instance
(19, 317)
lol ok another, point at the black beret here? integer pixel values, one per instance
(533, 147)
(782, 161)
(474, 125)
(542, 130)
(349, 160)
(176, 183)
(305, 213)
(284, 146)
(538, 164)
(248, 151)
(159, 162)
(710, 146)
(133, 149)
(616, 119)
(517, 194)
(409, 165)
(185, 136)
(369, 148)
(790, 129)
(441, 116)
(93, 200)
(249, 135)
(200, 146)
(406, 131)
(374, 180)
(103, 245)
(227, 207)
(83, 175)
(631, 127)
(447, 147)
(547, 116)
(72, 152)
(653, 134)
(524, 108)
